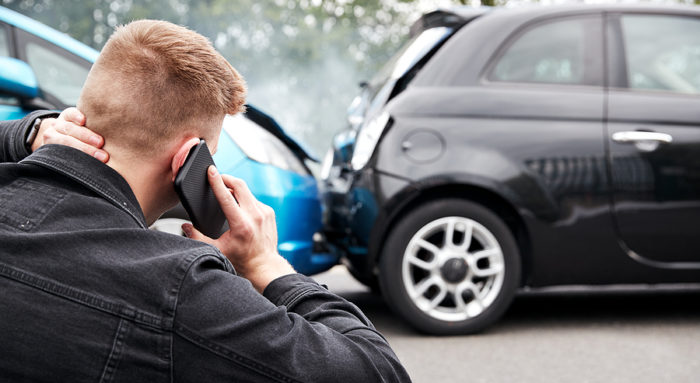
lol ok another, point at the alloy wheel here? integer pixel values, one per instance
(453, 269)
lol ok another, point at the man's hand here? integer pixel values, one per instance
(68, 129)
(251, 241)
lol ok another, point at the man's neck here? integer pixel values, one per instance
(149, 184)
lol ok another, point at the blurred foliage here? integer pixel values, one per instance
(302, 59)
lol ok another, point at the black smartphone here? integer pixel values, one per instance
(196, 195)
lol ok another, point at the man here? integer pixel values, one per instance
(89, 293)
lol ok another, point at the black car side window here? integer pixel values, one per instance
(563, 51)
(665, 57)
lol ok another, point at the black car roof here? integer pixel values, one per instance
(460, 15)
(489, 27)
(467, 12)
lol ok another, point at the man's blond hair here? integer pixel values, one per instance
(155, 80)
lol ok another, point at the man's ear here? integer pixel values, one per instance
(181, 155)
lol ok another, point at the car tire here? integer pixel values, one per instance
(447, 284)
(370, 282)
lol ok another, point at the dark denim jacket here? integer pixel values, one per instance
(89, 294)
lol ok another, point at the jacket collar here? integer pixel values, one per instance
(92, 174)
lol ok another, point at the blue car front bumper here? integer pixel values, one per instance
(295, 200)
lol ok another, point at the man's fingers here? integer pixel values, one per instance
(240, 190)
(73, 115)
(53, 137)
(223, 195)
(79, 132)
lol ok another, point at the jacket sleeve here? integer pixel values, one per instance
(13, 134)
(297, 332)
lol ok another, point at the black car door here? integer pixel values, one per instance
(544, 93)
(653, 125)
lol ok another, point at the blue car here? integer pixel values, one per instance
(41, 68)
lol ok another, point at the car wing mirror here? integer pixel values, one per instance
(17, 79)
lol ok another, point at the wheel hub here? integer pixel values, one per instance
(454, 270)
(444, 278)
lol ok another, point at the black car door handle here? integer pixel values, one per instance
(643, 141)
(638, 136)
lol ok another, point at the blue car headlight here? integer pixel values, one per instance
(260, 145)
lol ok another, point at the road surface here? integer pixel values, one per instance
(633, 336)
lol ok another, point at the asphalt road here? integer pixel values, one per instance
(632, 336)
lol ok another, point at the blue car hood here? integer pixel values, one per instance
(269, 124)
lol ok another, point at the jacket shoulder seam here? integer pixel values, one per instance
(57, 166)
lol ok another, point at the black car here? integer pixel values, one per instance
(525, 147)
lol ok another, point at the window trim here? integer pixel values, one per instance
(5, 99)
(598, 81)
(11, 46)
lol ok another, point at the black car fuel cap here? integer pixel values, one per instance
(423, 146)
